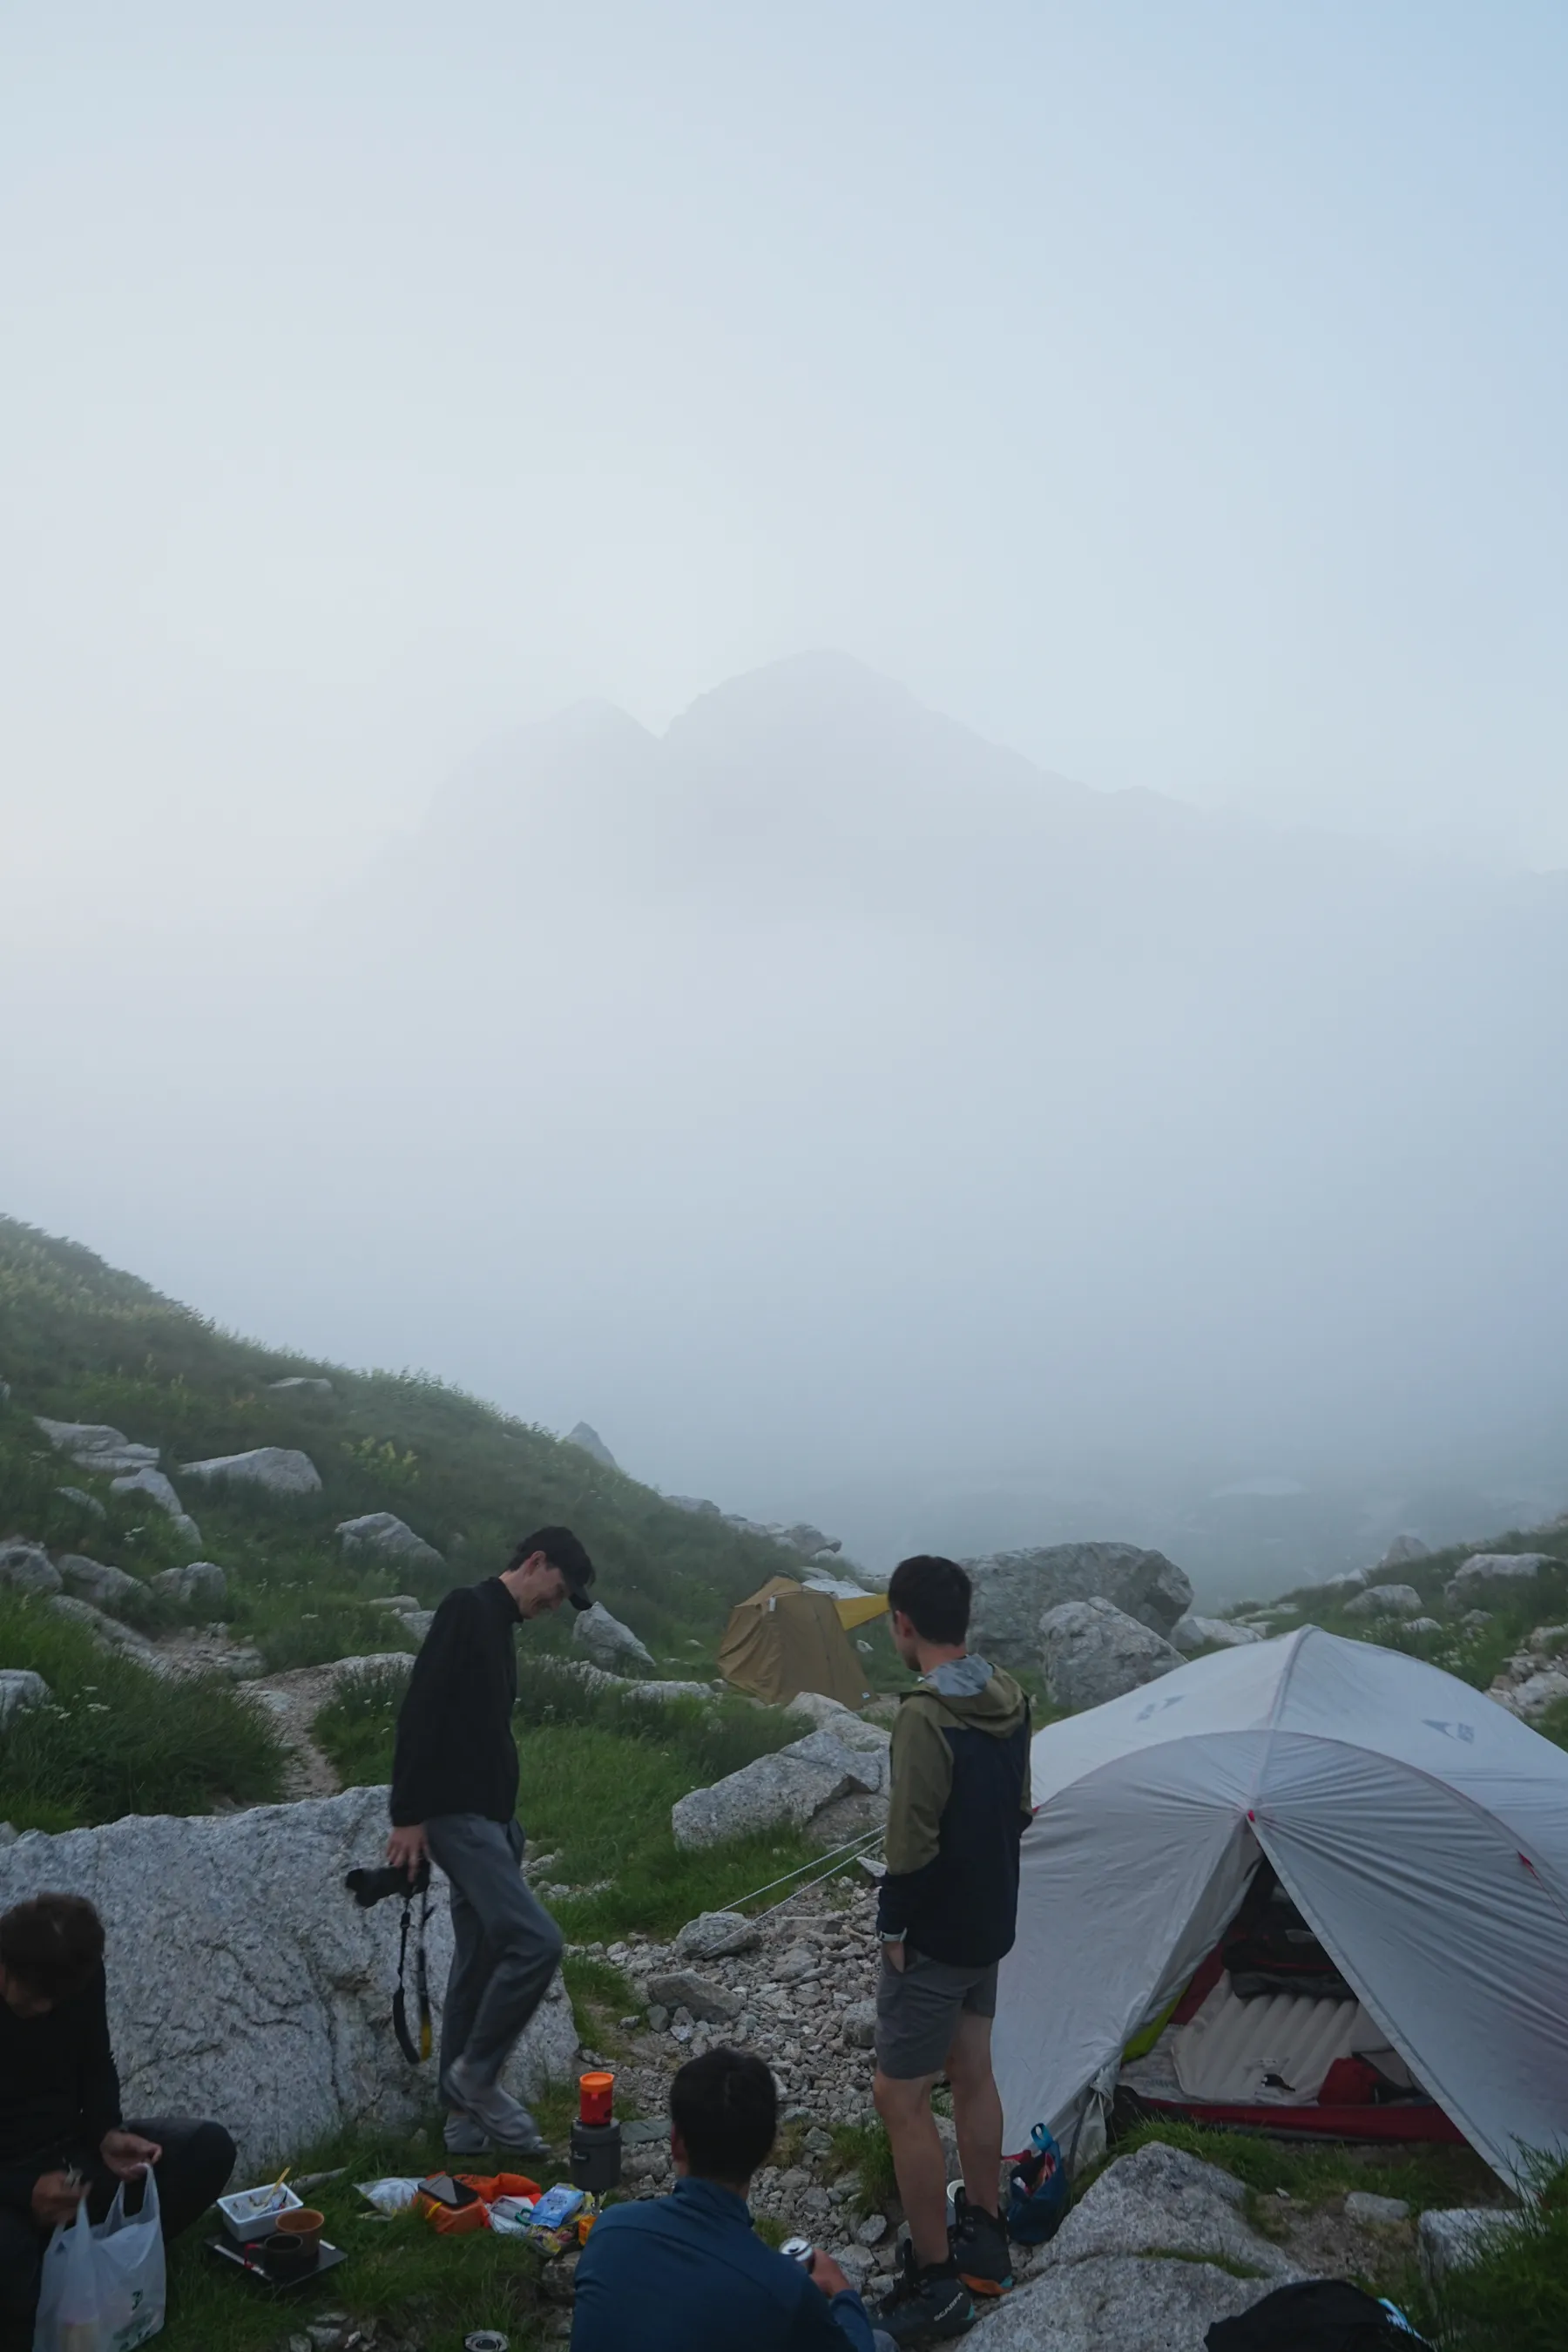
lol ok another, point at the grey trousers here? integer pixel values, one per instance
(506, 1945)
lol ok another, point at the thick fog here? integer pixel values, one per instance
(1086, 1057)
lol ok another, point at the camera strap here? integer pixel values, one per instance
(416, 2052)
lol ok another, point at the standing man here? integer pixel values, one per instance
(454, 1801)
(946, 1914)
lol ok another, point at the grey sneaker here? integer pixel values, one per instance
(463, 2135)
(504, 2118)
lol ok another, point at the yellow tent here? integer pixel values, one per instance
(861, 1610)
(785, 1640)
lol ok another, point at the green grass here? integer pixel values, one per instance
(117, 1740)
(599, 1774)
(1473, 1656)
(864, 2149)
(1313, 2172)
(1516, 2298)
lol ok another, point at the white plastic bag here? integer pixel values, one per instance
(103, 2287)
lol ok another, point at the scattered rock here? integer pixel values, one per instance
(1136, 2304)
(1534, 1695)
(1361, 2205)
(1013, 1588)
(588, 1438)
(717, 1936)
(1423, 1625)
(872, 2229)
(1475, 1620)
(1387, 1600)
(83, 1501)
(680, 1988)
(1190, 1634)
(199, 1579)
(275, 1469)
(860, 2024)
(301, 1384)
(1402, 1550)
(262, 1993)
(607, 1642)
(21, 1688)
(384, 1533)
(789, 1785)
(1092, 1652)
(1487, 1575)
(1161, 2199)
(26, 1567)
(657, 2017)
(110, 1634)
(417, 1621)
(1354, 1579)
(401, 1601)
(157, 1489)
(95, 1580)
(95, 1446)
(1453, 2238)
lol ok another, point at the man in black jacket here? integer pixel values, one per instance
(454, 1800)
(61, 2134)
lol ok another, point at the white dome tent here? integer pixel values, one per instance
(1420, 1829)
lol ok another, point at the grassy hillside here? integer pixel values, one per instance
(80, 1341)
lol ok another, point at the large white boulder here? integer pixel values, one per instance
(26, 1567)
(1455, 2237)
(199, 1579)
(385, 1534)
(1092, 1652)
(1495, 1575)
(110, 1634)
(1135, 2303)
(277, 1469)
(1161, 2199)
(1402, 1550)
(244, 1984)
(607, 1642)
(786, 1788)
(1190, 1634)
(93, 1445)
(1387, 1600)
(1013, 1588)
(157, 1489)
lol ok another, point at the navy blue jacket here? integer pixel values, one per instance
(687, 2273)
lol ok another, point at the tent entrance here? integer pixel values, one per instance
(1269, 2036)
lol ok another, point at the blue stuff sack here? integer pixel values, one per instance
(1038, 2191)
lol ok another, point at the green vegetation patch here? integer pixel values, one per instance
(117, 1739)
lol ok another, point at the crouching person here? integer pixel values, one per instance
(687, 2273)
(60, 2125)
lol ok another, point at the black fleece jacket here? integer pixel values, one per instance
(454, 1753)
(59, 2092)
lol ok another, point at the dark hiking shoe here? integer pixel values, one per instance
(980, 2248)
(926, 2306)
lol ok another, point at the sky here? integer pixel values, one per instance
(1172, 398)
(1174, 395)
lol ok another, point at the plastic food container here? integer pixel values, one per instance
(252, 2214)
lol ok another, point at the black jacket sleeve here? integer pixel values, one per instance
(429, 1715)
(101, 2110)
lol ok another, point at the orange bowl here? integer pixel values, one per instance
(305, 2224)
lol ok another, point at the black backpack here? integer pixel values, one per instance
(1317, 2316)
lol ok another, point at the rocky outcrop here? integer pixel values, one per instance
(244, 1984)
(1014, 1589)
(26, 1567)
(1190, 1634)
(1495, 1576)
(1387, 1600)
(110, 1634)
(804, 1541)
(158, 1490)
(1402, 1550)
(384, 1535)
(1164, 2200)
(607, 1642)
(1455, 2237)
(301, 1384)
(788, 1787)
(275, 1469)
(96, 1581)
(585, 1435)
(1135, 2303)
(93, 1445)
(1092, 1652)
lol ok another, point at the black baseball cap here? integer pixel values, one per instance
(562, 1550)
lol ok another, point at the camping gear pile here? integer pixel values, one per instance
(1332, 1879)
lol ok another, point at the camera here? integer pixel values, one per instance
(369, 1888)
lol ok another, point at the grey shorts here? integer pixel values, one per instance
(918, 2009)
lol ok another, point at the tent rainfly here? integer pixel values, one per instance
(786, 1639)
(1420, 1829)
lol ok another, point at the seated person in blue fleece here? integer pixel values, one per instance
(687, 2273)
